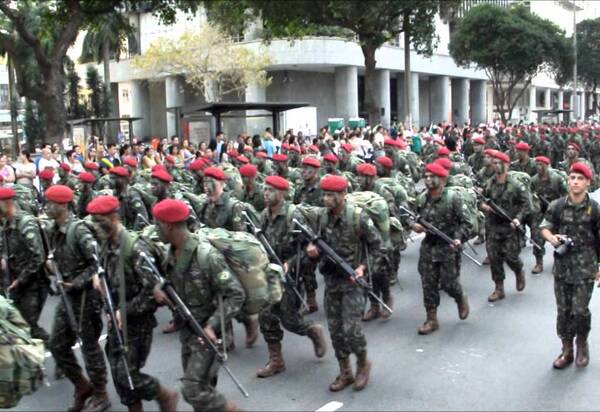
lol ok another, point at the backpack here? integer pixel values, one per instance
(26, 199)
(462, 196)
(377, 209)
(21, 357)
(249, 261)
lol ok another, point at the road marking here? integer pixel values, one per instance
(76, 346)
(330, 407)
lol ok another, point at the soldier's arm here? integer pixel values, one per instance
(144, 301)
(227, 285)
(35, 252)
(463, 224)
(137, 204)
(86, 245)
(237, 223)
(523, 202)
(370, 235)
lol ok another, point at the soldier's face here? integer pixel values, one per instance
(119, 183)
(477, 148)
(578, 183)
(103, 224)
(343, 155)
(432, 181)
(159, 189)
(522, 154)
(487, 160)
(499, 167)
(332, 200)
(365, 182)
(272, 196)
(247, 181)
(55, 210)
(197, 175)
(212, 186)
(4, 207)
(329, 167)
(571, 152)
(163, 231)
(541, 168)
(280, 168)
(309, 172)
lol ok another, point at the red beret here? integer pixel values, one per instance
(119, 171)
(443, 151)
(91, 165)
(366, 169)
(444, 162)
(489, 152)
(295, 149)
(278, 157)
(7, 193)
(330, 157)
(334, 183)
(436, 169)
(59, 194)
(215, 173)
(103, 205)
(247, 149)
(130, 161)
(243, 159)
(163, 175)
(158, 167)
(171, 211)
(46, 174)
(478, 140)
(543, 159)
(248, 170)
(262, 155)
(575, 145)
(285, 146)
(311, 161)
(198, 164)
(277, 182)
(86, 177)
(393, 142)
(233, 153)
(170, 159)
(522, 146)
(583, 169)
(347, 147)
(314, 148)
(385, 162)
(501, 156)
(65, 167)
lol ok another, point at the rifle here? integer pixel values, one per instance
(142, 218)
(6, 275)
(499, 211)
(339, 262)
(260, 235)
(109, 308)
(180, 308)
(437, 232)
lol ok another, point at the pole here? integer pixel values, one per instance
(407, 77)
(575, 97)
(14, 102)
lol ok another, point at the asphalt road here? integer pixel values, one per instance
(500, 358)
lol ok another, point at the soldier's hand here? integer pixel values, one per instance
(417, 228)
(160, 297)
(3, 265)
(286, 267)
(118, 316)
(515, 223)
(96, 283)
(50, 266)
(360, 272)
(312, 251)
(210, 332)
(14, 285)
(68, 286)
(456, 244)
(555, 240)
(485, 207)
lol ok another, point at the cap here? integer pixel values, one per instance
(542, 159)
(163, 175)
(385, 162)
(7, 193)
(103, 205)
(436, 169)
(278, 157)
(171, 211)
(330, 157)
(522, 146)
(334, 183)
(366, 169)
(198, 164)
(215, 173)
(443, 151)
(65, 167)
(311, 161)
(46, 174)
(277, 182)
(90, 165)
(248, 170)
(59, 194)
(119, 171)
(583, 169)
(130, 161)
(86, 177)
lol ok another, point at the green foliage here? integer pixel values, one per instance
(94, 84)
(588, 53)
(33, 124)
(75, 110)
(114, 29)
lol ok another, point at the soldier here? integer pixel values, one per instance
(348, 161)
(438, 264)
(23, 270)
(575, 218)
(199, 274)
(263, 164)
(476, 159)
(344, 227)
(74, 247)
(330, 164)
(196, 170)
(65, 177)
(547, 185)
(276, 223)
(46, 177)
(253, 191)
(86, 192)
(133, 212)
(523, 163)
(135, 306)
(502, 239)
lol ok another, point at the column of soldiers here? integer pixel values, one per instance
(90, 224)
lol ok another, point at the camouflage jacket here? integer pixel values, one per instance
(224, 213)
(278, 230)
(309, 194)
(476, 161)
(256, 198)
(84, 198)
(511, 196)
(553, 186)
(132, 204)
(529, 167)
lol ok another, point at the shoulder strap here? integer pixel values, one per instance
(127, 242)
(558, 210)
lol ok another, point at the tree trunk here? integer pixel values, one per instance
(52, 105)
(408, 109)
(370, 101)
(14, 106)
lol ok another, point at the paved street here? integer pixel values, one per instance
(498, 359)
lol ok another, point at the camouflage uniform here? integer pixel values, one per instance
(527, 167)
(574, 273)
(256, 198)
(224, 213)
(85, 197)
(22, 242)
(476, 161)
(139, 308)
(199, 274)
(73, 253)
(132, 204)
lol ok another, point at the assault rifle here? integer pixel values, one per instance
(6, 275)
(180, 308)
(260, 235)
(339, 262)
(109, 308)
(499, 211)
(429, 227)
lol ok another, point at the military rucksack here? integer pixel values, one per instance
(377, 209)
(249, 261)
(466, 198)
(21, 357)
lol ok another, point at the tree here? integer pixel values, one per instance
(94, 85)
(33, 124)
(75, 110)
(372, 23)
(210, 60)
(588, 56)
(512, 45)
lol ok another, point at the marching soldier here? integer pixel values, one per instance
(253, 190)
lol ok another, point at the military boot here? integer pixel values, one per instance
(363, 369)
(99, 401)
(315, 333)
(251, 325)
(311, 301)
(83, 390)
(463, 307)
(520, 280)
(275, 363)
(539, 266)
(345, 378)
(59, 373)
(498, 293)
(383, 312)
(431, 324)
(566, 356)
(372, 313)
(167, 399)
(583, 352)
(137, 406)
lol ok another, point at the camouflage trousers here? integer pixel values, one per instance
(286, 313)
(502, 249)
(30, 301)
(139, 343)
(344, 306)
(534, 220)
(200, 372)
(381, 276)
(573, 313)
(63, 338)
(439, 275)
(308, 268)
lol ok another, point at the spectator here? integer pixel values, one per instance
(24, 169)
(72, 161)
(6, 170)
(218, 146)
(148, 160)
(110, 160)
(47, 161)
